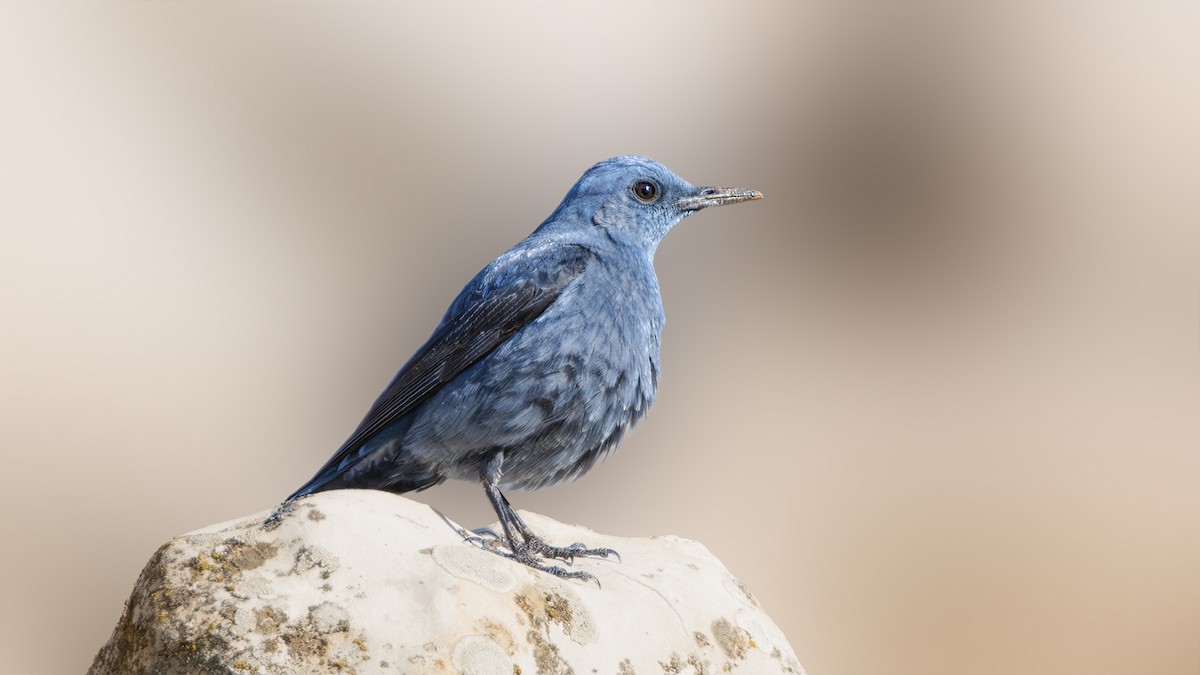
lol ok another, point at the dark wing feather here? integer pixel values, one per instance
(500, 301)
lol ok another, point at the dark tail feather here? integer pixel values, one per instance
(410, 483)
(417, 477)
(313, 485)
(387, 470)
(348, 457)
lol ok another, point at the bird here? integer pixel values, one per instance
(540, 364)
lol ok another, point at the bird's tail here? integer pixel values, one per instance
(391, 469)
(412, 483)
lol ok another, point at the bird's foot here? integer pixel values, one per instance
(533, 552)
(486, 536)
(566, 553)
(529, 558)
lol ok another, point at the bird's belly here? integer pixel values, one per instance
(553, 407)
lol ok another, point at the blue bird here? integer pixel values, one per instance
(541, 363)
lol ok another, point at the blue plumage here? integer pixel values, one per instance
(541, 363)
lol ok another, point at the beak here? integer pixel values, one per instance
(714, 196)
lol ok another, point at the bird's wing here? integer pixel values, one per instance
(502, 299)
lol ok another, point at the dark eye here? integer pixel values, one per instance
(646, 191)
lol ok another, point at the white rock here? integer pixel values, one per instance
(359, 581)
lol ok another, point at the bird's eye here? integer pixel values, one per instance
(646, 191)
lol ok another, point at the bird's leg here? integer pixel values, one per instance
(518, 549)
(524, 546)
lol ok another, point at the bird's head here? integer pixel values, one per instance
(638, 198)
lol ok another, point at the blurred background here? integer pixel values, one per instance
(934, 399)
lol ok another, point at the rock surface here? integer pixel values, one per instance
(367, 582)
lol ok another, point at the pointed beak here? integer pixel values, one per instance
(714, 196)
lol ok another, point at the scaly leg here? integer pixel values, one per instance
(525, 546)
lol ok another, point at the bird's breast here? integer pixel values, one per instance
(596, 376)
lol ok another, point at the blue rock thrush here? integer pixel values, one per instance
(540, 364)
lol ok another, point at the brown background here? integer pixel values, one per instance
(934, 399)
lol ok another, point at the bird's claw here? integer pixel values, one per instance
(568, 553)
(527, 558)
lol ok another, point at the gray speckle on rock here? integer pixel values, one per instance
(328, 617)
(478, 655)
(472, 564)
(348, 591)
(310, 558)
